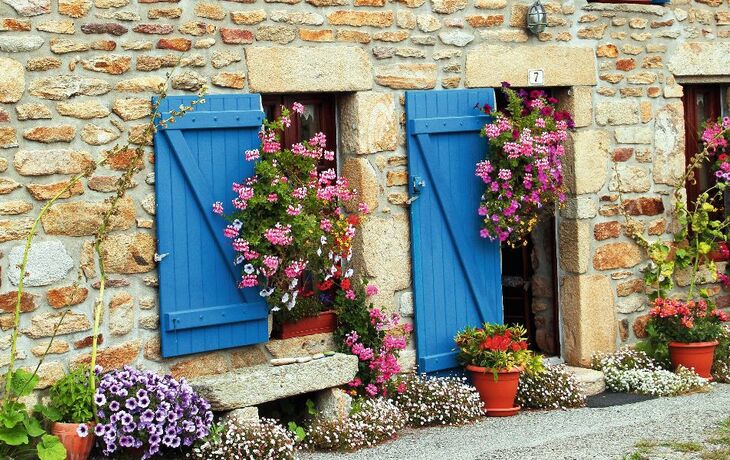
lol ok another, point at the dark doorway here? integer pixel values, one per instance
(529, 281)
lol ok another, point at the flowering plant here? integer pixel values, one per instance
(287, 224)
(244, 439)
(144, 410)
(691, 321)
(553, 388)
(377, 420)
(430, 401)
(524, 172)
(376, 338)
(634, 371)
(496, 347)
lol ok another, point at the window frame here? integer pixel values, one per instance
(325, 104)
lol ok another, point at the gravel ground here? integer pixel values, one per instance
(578, 434)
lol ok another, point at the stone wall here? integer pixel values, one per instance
(76, 77)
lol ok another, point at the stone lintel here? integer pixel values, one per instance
(263, 383)
(490, 65)
(697, 59)
(290, 69)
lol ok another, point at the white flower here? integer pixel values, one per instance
(240, 259)
(266, 292)
(323, 240)
(348, 273)
(285, 297)
(237, 224)
(248, 269)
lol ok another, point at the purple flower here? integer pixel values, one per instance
(147, 416)
(100, 430)
(99, 399)
(131, 404)
(126, 441)
(82, 430)
(114, 406)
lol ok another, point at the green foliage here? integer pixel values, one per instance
(306, 307)
(496, 347)
(71, 398)
(721, 368)
(297, 431)
(21, 434)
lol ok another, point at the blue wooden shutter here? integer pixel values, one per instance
(457, 274)
(197, 158)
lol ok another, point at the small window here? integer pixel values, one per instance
(318, 116)
(701, 103)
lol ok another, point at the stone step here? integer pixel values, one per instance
(256, 385)
(590, 381)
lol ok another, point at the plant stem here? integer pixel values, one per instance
(21, 279)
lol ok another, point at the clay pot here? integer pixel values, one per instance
(498, 395)
(326, 321)
(77, 448)
(697, 355)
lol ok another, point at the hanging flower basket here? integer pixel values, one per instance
(523, 173)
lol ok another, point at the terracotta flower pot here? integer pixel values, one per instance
(697, 355)
(721, 253)
(326, 321)
(497, 395)
(77, 448)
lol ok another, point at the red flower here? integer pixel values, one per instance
(345, 283)
(353, 219)
(325, 285)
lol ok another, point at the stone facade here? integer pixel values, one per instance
(76, 77)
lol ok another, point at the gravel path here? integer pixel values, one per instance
(608, 433)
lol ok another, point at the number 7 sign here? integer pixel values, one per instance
(535, 77)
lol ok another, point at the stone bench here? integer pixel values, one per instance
(263, 383)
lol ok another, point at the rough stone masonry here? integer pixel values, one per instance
(76, 77)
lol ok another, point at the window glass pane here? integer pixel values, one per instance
(309, 122)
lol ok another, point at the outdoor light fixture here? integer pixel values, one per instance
(536, 18)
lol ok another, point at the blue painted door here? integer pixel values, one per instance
(456, 274)
(197, 158)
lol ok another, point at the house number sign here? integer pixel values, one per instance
(536, 77)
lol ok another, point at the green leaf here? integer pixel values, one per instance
(51, 413)
(50, 448)
(311, 407)
(14, 436)
(33, 427)
(23, 383)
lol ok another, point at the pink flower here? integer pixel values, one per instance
(294, 210)
(354, 383)
(272, 198)
(297, 108)
(326, 225)
(363, 208)
(279, 235)
(371, 290)
(252, 155)
(350, 294)
(371, 390)
(248, 281)
(230, 232)
(218, 208)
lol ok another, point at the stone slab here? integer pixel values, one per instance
(292, 69)
(696, 59)
(591, 382)
(48, 262)
(490, 65)
(259, 384)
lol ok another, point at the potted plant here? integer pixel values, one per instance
(287, 227)
(496, 355)
(691, 328)
(71, 411)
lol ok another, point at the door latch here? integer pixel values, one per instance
(417, 185)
